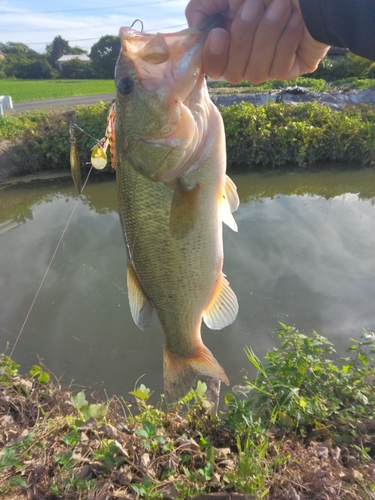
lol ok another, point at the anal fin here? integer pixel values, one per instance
(140, 307)
(223, 308)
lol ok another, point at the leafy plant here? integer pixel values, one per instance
(302, 386)
(149, 432)
(41, 376)
(8, 369)
(86, 411)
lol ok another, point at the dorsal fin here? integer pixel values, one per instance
(223, 308)
(140, 307)
(229, 203)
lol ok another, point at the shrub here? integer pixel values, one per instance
(277, 135)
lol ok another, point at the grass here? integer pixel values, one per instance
(31, 90)
(313, 84)
(302, 428)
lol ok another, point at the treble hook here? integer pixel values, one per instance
(138, 21)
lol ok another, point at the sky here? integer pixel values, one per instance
(83, 22)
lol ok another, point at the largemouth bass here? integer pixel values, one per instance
(173, 196)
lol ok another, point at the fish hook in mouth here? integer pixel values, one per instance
(138, 21)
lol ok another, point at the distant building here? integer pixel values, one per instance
(2, 56)
(63, 59)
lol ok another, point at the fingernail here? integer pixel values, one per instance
(251, 10)
(217, 41)
(276, 10)
(294, 19)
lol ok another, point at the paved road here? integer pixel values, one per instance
(66, 102)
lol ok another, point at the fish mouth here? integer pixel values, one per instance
(159, 139)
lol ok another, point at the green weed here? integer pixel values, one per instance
(8, 369)
(304, 386)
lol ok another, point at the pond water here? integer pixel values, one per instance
(303, 255)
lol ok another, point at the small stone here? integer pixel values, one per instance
(320, 473)
(22, 436)
(216, 480)
(293, 494)
(108, 431)
(169, 492)
(145, 462)
(321, 452)
(85, 472)
(90, 424)
(6, 421)
(124, 478)
(121, 450)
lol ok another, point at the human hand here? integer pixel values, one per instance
(262, 39)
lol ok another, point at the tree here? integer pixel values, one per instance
(34, 70)
(18, 49)
(104, 54)
(76, 69)
(18, 57)
(59, 47)
(77, 50)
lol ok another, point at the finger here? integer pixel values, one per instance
(285, 64)
(269, 30)
(198, 10)
(310, 52)
(215, 53)
(242, 32)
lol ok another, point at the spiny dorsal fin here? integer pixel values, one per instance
(140, 307)
(184, 209)
(229, 203)
(223, 308)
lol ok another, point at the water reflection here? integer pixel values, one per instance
(303, 255)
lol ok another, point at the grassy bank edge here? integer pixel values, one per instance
(304, 427)
(269, 136)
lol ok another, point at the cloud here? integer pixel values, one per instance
(38, 25)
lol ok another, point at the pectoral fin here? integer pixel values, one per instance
(223, 308)
(184, 209)
(229, 203)
(140, 307)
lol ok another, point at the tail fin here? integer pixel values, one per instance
(180, 373)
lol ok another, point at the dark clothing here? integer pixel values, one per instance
(342, 23)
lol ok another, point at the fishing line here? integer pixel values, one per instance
(50, 263)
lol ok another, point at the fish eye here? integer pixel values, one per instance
(125, 86)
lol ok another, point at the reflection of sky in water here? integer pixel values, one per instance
(302, 260)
